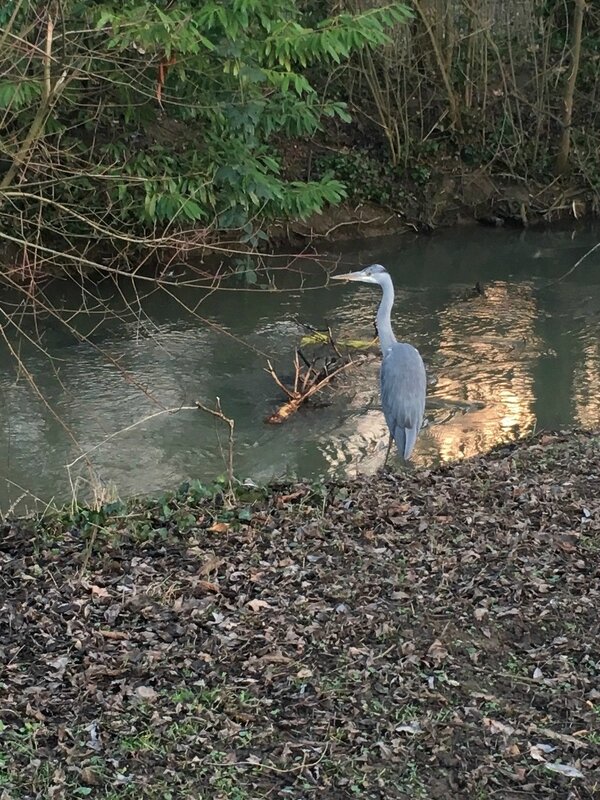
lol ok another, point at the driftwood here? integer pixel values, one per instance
(308, 380)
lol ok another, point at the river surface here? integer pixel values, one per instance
(523, 356)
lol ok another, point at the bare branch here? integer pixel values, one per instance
(218, 413)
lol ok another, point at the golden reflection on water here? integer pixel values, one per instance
(484, 390)
(586, 384)
(487, 349)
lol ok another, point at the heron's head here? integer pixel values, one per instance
(372, 274)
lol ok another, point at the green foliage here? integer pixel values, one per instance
(160, 114)
(19, 95)
(367, 178)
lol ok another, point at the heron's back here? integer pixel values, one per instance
(403, 390)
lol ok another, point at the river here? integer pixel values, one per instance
(523, 356)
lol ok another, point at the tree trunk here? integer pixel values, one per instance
(453, 104)
(562, 160)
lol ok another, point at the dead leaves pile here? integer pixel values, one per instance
(429, 636)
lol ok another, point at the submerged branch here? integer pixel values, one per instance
(311, 383)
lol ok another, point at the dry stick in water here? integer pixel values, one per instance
(296, 398)
(575, 265)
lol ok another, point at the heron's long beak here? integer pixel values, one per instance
(349, 276)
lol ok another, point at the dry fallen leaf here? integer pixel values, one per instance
(536, 753)
(146, 693)
(568, 770)
(437, 652)
(117, 635)
(211, 564)
(567, 547)
(496, 727)
(257, 604)
(410, 727)
(88, 776)
(35, 713)
(208, 586)
(561, 737)
(275, 658)
(59, 664)
(219, 527)
(304, 673)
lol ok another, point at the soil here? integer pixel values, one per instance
(452, 197)
(428, 634)
(449, 193)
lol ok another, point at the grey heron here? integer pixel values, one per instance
(402, 376)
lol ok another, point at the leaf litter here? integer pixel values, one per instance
(421, 635)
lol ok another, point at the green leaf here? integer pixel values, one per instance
(178, 111)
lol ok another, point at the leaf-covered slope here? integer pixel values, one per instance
(432, 635)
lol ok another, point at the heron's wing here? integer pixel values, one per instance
(403, 390)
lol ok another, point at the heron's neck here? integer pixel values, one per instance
(383, 320)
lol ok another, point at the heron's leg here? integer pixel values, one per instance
(389, 447)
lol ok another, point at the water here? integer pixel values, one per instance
(525, 356)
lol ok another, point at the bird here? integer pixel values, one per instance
(403, 380)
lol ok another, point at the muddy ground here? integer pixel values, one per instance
(429, 635)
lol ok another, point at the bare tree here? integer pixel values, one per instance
(562, 160)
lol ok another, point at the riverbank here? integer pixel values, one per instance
(453, 195)
(428, 635)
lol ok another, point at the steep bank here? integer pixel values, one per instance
(448, 193)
